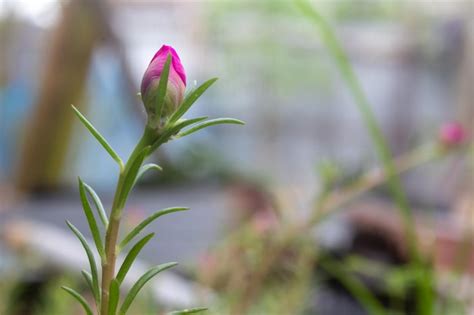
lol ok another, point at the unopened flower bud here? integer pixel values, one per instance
(176, 83)
(452, 134)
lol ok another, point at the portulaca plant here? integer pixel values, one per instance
(163, 94)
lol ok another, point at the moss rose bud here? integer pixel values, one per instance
(452, 134)
(176, 82)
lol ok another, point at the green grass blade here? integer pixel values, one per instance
(144, 169)
(132, 254)
(129, 181)
(195, 310)
(90, 257)
(159, 98)
(114, 295)
(98, 136)
(140, 283)
(79, 298)
(91, 219)
(98, 205)
(190, 99)
(212, 122)
(88, 277)
(147, 221)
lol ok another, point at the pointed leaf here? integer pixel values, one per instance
(184, 123)
(90, 257)
(98, 205)
(174, 129)
(132, 254)
(140, 283)
(79, 298)
(114, 295)
(209, 123)
(144, 169)
(160, 95)
(88, 277)
(189, 311)
(190, 99)
(132, 174)
(98, 136)
(147, 221)
(91, 219)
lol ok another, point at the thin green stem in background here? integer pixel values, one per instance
(329, 39)
(354, 285)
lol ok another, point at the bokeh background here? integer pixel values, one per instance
(304, 136)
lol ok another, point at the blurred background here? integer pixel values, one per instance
(249, 188)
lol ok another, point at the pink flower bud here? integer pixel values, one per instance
(176, 82)
(452, 134)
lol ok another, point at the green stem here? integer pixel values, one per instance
(111, 237)
(424, 307)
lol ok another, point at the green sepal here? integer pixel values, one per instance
(190, 99)
(98, 136)
(159, 97)
(98, 205)
(147, 221)
(91, 220)
(114, 295)
(189, 311)
(90, 257)
(212, 122)
(132, 254)
(79, 298)
(140, 283)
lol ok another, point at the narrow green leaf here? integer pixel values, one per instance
(98, 136)
(180, 124)
(140, 283)
(147, 221)
(174, 129)
(212, 122)
(91, 219)
(98, 205)
(132, 174)
(132, 254)
(90, 257)
(114, 295)
(88, 277)
(79, 298)
(144, 169)
(162, 86)
(190, 99)
(189, 311)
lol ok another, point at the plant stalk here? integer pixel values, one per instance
(111, 236)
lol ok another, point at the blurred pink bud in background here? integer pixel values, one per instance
(452, 134)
